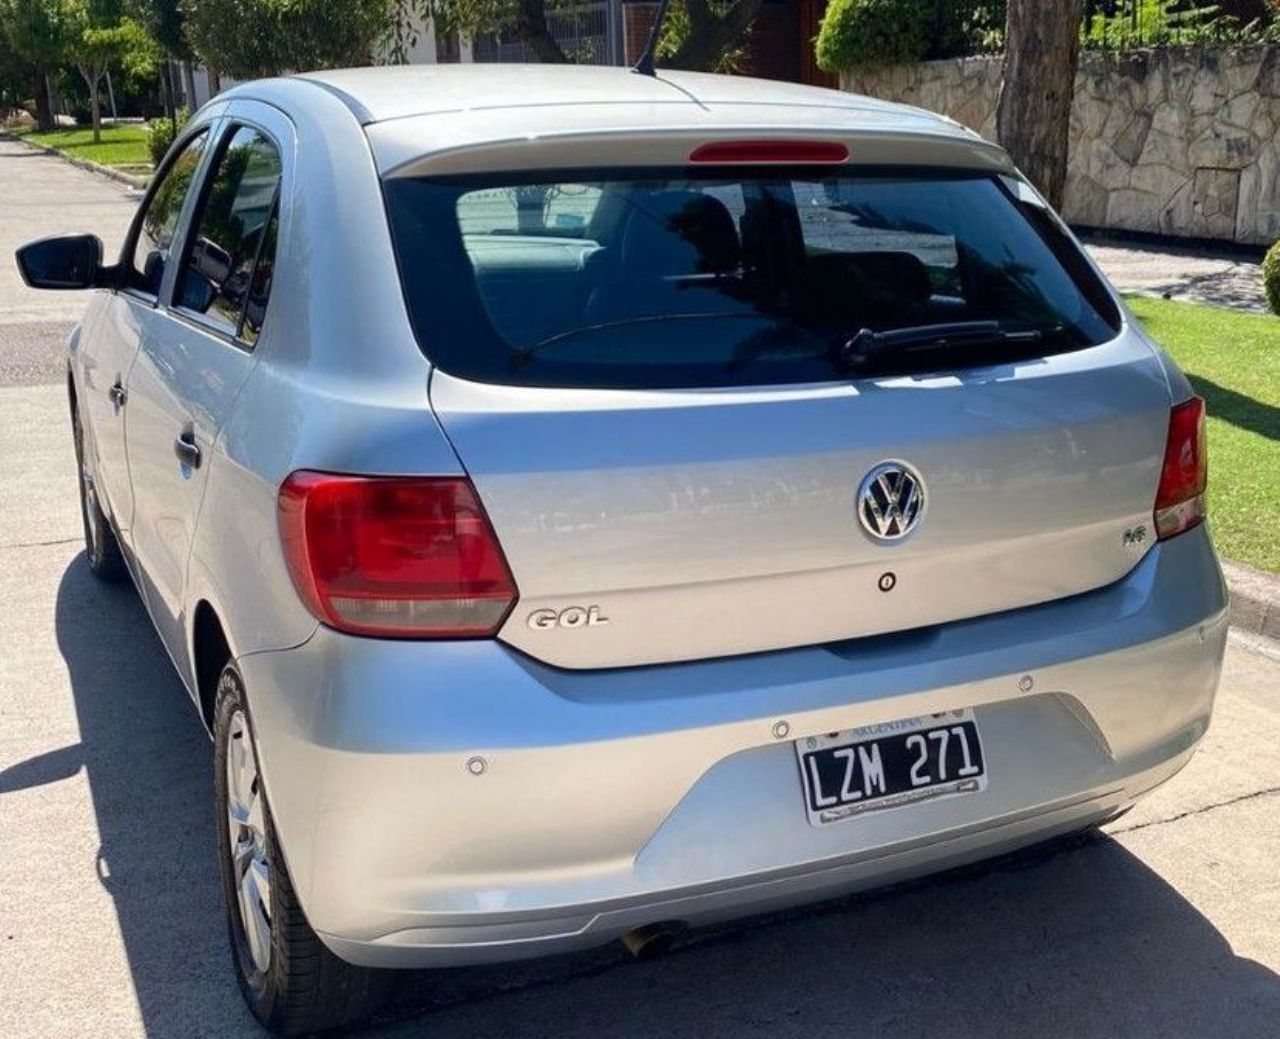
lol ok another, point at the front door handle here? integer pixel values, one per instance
(187, 450)
(117, 395)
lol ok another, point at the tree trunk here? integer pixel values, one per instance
(1042, 49)
(94, 106)
(166, 81)
(44, 104)
(710, 36)
(531, 27)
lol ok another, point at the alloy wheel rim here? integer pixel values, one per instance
(247, 836)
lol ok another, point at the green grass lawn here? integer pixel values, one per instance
(1233, 360)
(120, 145)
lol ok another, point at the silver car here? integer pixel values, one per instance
(584, 505)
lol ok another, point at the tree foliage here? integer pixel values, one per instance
(163, 20)
(37, 30)
(678, 30)
(712, 31)
(50, 37)
(96, 35)
(15, 75)
(252, 38)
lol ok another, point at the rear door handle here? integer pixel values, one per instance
(187, 450)
(117, 395)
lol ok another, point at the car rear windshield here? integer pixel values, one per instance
(647, 279)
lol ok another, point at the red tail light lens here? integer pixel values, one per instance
(782, 151)
(406, 557)
(1180, 498)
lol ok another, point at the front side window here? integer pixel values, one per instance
(653, 279)
(159, 222)
(231, 253)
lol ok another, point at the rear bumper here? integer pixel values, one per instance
(613, 799)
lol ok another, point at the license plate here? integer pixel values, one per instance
(891, 764)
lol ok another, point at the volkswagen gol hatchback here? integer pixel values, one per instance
(582, 504)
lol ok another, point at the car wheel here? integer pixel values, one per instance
(293, 984)
(101, 548)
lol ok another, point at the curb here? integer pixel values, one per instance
(127, 179)
(1255, 600)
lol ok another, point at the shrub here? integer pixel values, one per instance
(865, 33)
(162, 134)
(1271, 277)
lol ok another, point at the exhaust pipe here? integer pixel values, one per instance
(652, 939)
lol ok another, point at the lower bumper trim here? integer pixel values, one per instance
(471, 940)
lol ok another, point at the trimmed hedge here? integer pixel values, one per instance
(1271, 277)
(865, 33)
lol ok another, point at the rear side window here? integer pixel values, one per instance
(229, 258)
(683, 279)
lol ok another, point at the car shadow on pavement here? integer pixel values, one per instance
(1080, 939)
(149, 766)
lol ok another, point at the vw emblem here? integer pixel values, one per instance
(890, 501)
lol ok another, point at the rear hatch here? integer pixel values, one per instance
(690, 400)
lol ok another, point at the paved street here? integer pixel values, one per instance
(109, 919)
(39, 196)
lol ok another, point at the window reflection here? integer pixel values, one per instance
(228, 269)
(160, 221)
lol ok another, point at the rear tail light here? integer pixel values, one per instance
(1180, 498)
(408, 557)
(780, 151)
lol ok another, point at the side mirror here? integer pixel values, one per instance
(65, 262)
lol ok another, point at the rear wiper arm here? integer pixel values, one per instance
(865, 346)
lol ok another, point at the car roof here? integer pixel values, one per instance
(422, 120)
(388, 92)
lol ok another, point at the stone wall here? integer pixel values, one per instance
(1176, 142)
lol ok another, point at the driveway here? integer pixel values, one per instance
(110, 923)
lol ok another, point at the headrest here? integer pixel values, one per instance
(896, 275)
(679, 232)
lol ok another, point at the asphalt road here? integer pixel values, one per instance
(109, 917)
(41, 196)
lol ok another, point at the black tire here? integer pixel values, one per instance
(305, 988)
(101, 549)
